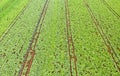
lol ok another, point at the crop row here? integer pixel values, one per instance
(9, 10)
(18, 36)
(72, 38)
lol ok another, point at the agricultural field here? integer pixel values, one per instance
(59, 38)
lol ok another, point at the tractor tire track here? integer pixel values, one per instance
(27, 63)
(14, 21)
(107, 42)
(110, 9)
(70, 43)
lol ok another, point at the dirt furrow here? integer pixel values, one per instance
(14, 21)
(71, 49)
(30, 54)
(110, 9)
(107, 42)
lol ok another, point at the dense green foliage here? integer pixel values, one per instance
(94, 52)
(9, 9)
